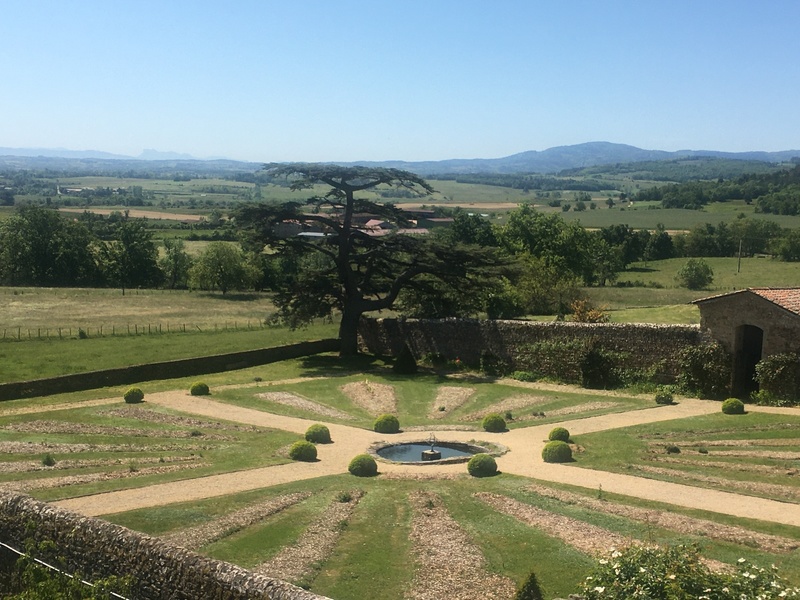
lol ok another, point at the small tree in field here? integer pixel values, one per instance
(696, 274)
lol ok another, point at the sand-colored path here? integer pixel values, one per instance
(523, 458)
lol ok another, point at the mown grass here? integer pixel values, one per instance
(24, 360)
(624, 449)
(416, 397)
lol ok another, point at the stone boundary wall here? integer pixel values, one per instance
(163, 370)
(159, 571)
(644, 346)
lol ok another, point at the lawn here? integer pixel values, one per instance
(375, 545)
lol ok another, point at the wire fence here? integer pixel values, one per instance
(18, 334)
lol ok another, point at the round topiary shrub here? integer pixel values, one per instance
(133, 396)
(363, 465)
(199, 389)
(664, 397)
(303, 450)
(482, 465)
(386, 424)
(493, 423)
(318, 434)
(733, 406)
(557, 452)
(558, 434)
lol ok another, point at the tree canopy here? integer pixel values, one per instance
(346, 266)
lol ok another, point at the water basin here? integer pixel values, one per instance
(411, 452)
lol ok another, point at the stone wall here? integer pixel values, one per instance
(643, 346)
(99, 549)
(163, 370)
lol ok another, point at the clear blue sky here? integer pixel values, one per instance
(307, 80)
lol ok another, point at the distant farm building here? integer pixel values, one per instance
(751, 324)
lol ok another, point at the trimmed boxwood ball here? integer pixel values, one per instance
(318, 434)
(733, 406)
(386, 424)
(133, 396)
(557, 452)
(558, 433)
(363, 465)
(664, 397)
(303, 450)
(482, 465)
(493, 423)
(199, 389)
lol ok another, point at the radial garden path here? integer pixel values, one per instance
(523, 458)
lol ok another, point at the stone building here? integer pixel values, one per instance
(751, 324)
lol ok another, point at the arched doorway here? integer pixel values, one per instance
(749, 342)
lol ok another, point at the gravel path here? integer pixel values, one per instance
(449, 565)
(522, 459)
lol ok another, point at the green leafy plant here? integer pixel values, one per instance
(778, 377)
(705, 370)
(557, 452)
(318, 434)
(493, 423)
(733, 406)
(133, 396)
(696, 274)
(558, 433)
(48, 460)
(363, 465)
(344, 497)
(199, 389)
(303, 451)
(482, 465)
(386, 424)
(664, 397)
(677, 572)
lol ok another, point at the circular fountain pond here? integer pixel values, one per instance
(425, 452)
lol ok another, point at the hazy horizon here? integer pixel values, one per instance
(412, 81)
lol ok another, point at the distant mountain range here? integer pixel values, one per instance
(551, 160)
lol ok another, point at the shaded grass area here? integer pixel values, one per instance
(36, 359)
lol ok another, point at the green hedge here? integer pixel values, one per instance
(482, 465)
(303, 451)
(318, 434)
(363, 465)
(556, 452)
(386, 424)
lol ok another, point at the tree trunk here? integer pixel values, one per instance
(348, 331)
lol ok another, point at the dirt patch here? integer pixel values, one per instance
(56, 448)
(750, 487)
(295, 401)
(196, 537)
(449, 398)
(728, 466)
(64, 427)
(152, 416)
(508, 404)
(449, 565)
(430, 476)
(737, 443)
(658, 448)
(585, 537)
(31, 466)
(675, 522)
(375, 398)
(301, 560)
(69, 480)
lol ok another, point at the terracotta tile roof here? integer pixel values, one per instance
(786, 298)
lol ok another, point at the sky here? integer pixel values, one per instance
(342, 80)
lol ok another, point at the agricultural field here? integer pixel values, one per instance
(412, 531)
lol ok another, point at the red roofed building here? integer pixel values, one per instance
(751, 324)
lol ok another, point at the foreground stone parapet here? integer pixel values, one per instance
(98, 549)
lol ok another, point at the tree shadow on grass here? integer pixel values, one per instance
(331, 365)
